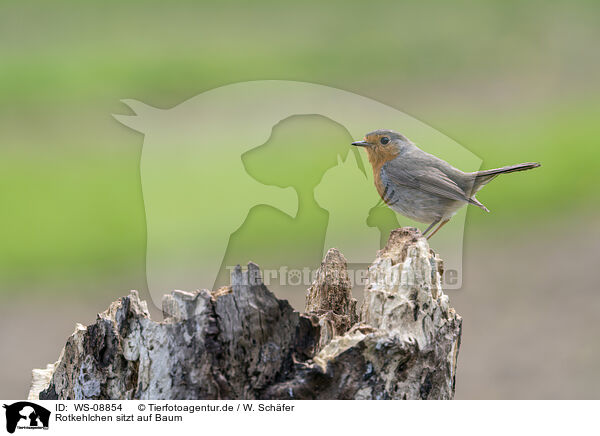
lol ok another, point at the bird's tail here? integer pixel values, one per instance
(508, 169)
(482, 178)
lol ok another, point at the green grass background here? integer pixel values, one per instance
(511, 81)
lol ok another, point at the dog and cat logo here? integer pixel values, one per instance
(26, 415)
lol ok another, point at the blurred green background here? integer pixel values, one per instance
(511, 81)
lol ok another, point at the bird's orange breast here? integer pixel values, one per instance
(378, 157)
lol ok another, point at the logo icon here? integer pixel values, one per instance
(26, 415)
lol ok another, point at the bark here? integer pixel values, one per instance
(241, 342)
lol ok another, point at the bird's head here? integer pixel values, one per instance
(382, 145)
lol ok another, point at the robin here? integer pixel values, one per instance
(421, 186)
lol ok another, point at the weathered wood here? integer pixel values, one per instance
(330, 298)
(241, 342)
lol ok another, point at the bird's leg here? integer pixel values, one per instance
(439, 227)
(430, 227)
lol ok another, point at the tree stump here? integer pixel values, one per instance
(241, 342)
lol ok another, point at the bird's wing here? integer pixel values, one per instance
(429, 179)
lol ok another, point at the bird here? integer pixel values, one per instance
(420, 185)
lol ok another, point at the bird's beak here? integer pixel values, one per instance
(361, 143)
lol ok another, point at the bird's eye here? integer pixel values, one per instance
(384, 140)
